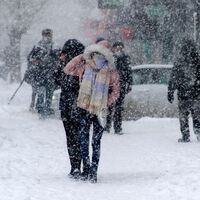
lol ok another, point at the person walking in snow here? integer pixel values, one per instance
(69, 114)
(99, 88)
(185, 78)
(38, 72)
(122, 63)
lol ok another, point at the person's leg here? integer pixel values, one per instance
(33, 96)
(184, 108)
(195, 111)
(109, 119)
(49, 96)
(73, 142)
(84, 130)
(40, 101)
(96, 147)
(76, 144)
(118, 115)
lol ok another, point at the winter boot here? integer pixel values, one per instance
(84, 176)
(198, 137)
(74, 173)
(184, 139)
(31, 108)
(197, 133)
(119, 133)
(93, 176)
(86, 168)
(106, 130)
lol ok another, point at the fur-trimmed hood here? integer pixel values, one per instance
(102, 50)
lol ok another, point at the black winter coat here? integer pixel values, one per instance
(41, 64)
(69, 88)
(69, 84)
(185, 75)
(122, 64)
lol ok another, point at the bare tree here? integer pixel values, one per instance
(18, 15)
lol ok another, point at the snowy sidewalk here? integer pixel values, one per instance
(146, 163)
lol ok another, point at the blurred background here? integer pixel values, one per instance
(151, 29)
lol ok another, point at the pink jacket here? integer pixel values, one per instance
(77, 66)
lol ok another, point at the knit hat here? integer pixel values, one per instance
(104, 43)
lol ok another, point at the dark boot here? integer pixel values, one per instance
(184, 139)
(74, 173)
(198, 138)
(93, 176)
(107, 129)
(86, 169)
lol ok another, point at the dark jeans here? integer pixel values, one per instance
(115, 115)
(86, 120)
(185, 108)
(73, 140)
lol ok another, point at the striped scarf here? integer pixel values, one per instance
(93, 93)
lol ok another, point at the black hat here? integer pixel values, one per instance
(47, 32)
(72, 48)
(118, 43)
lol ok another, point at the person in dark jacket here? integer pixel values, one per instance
(185, 78)
(69, 113)
(122, 62)
(39, 73)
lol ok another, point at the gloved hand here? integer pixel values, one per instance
(170, 97)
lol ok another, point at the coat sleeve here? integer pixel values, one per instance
(129, 77)
(75, 67)
(114, 87)
(172, 85)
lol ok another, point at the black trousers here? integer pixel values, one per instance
(187, 107)
(71, 127)
(115, 115)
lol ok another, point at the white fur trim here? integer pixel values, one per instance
(102, 50)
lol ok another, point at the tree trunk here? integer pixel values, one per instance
(14, 61)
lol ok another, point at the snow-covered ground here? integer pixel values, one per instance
(146, 163)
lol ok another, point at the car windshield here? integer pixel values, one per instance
(151, 76)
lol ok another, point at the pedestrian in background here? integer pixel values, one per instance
(122, 63)
(185, 78)
(39, 72)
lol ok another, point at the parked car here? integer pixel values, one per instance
(149, 93)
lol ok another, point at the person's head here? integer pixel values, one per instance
(118, 47)
(72, 48)
(47, 34)
(99, 55)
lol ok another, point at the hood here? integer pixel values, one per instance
(102, 50)
(73, 45)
